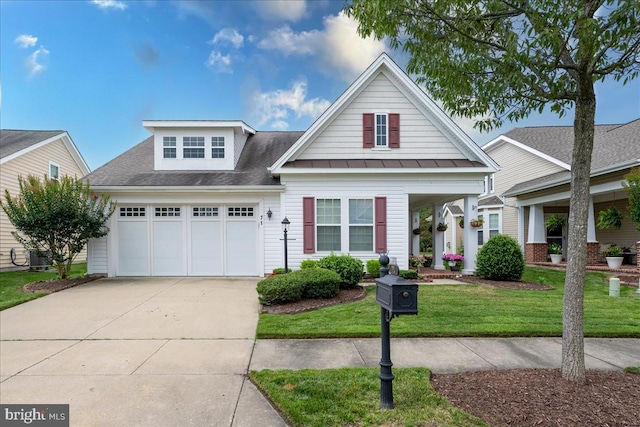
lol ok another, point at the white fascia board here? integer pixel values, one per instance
(524, 147)
(189, 189)
(150, 125)
(75, 153)
(603, 188)
(32, 147)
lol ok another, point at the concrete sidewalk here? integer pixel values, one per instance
(441, 355)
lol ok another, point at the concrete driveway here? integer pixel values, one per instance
(148, 351)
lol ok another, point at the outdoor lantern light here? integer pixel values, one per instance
(285, 228)
(269, 213)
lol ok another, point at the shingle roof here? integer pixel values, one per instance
(613, 145)
(490, 201)
(455, 209)
(12, 141)
(135, 166)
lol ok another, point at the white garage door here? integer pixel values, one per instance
(188, 240)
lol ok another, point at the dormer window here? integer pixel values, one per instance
(217, 147)
(381, 130)
(54, 172)
(169, 147)
(193, 147)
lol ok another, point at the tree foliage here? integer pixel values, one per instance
(632, 185)
(499, 60)
(57, 217)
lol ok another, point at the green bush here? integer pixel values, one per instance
(373, 268)
(409, 274)
(500, 259)
(317, 282)
(280, 270)
(350, 269)
(279, 289)
(308, 263)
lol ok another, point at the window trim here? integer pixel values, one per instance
(218, 147)
(165, 147)
(51, 177)
(384, 146)
(317, 224)
(370, 225)
(196, 148)
(345, 225)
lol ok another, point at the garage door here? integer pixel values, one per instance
(205, 240)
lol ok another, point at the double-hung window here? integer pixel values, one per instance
(480, 233)
(494, 224)
(54, 172)
(169, 147)
(217, 147)
(328, 220)
(360, 225)
(382, 130)
(193, 147)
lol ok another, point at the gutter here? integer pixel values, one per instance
(192, 189)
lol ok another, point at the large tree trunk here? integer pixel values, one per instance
(573, 368)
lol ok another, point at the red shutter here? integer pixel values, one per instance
(394, 130)
(368, 130)
(381, 224)
(309, 225)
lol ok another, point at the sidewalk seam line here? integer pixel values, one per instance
(471, 350)
(150, 356)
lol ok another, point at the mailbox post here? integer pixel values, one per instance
(395, 296)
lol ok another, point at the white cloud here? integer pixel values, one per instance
(110, 4)
(219, 62)
(32, 63)
(273, 108)
(26, 40)
(230, 35)
(282, 10)
(338, 46)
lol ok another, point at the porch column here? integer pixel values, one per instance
(470, 235)
(438, 238)
(593, 247)
(521, 227)
(536, 246)
(415, 239)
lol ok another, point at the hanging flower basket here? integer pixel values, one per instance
(476, 223)
(416, 231)
(461, 223)
(441, 227)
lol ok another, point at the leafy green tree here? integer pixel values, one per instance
(500, 60)
(57, 217)
(632, 185)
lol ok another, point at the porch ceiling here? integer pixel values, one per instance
(420, 201)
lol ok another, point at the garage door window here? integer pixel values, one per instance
(167, 211)
(240, 211)
(132, 211)
(204, 211)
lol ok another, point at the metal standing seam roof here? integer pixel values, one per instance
(380, 163)
(612, 145)
(135, 167)
(13, 141)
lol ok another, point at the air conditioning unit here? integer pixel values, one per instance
(36, 261)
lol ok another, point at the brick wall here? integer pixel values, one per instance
(593, 255)
(535, 252)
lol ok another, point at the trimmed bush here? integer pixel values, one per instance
(500, 259)
(308, 263)
(349, 268)
(408, 274)
(317, 282)
(279, 289)
(280, 270)
(373, 268)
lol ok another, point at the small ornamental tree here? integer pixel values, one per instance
(57, 217)
(632, 185)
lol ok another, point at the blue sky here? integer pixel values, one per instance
(98, 68)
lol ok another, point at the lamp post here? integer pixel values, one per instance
(285, 229)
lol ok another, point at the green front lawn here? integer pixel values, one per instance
(351, 397)
(11, 284)
(471, 310)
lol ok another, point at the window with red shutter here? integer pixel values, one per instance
(308, 223)
(368, 130)
(381, 224)
(394, 130)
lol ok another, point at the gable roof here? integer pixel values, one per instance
(404, 83)
(14, 143)
(134, 168)
(615, 147)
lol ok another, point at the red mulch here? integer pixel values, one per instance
(55, 285)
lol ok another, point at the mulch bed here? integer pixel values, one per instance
(541, 397)
(55, 285)
(344, 295)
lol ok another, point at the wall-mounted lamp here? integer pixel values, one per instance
(269, 213)
(473, 207)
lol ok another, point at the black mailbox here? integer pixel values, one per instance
(397, 295)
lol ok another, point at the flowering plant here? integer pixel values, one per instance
(416, 261)
(453, 257)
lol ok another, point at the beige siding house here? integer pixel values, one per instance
(28, 152)
(533, 184)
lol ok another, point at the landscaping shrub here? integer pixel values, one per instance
(317, 282)
(373, 268)
(280, 270)
(308, 263)
(279, 289)
(350, 269)
(500, 259)
(408, 274)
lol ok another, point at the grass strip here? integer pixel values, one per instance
(470, 311)
(351, 397)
